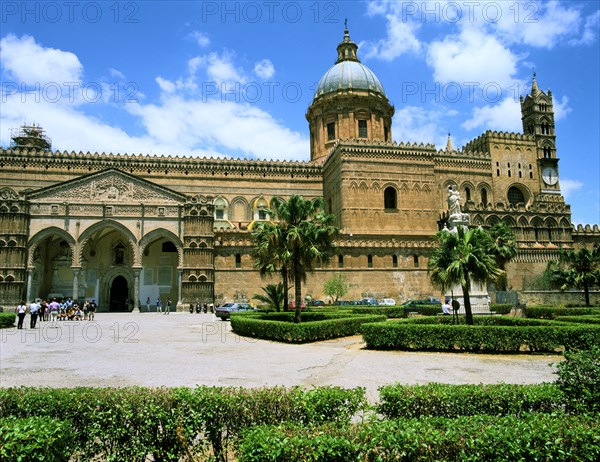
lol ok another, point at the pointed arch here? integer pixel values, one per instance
(162, 233)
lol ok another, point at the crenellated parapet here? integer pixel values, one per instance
(479, 160)
(383, 149)
(482, 142)
(588, 235)
(147, 164)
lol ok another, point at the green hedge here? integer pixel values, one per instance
(442, 400)
(550, 312)
(528, 437)
(129, 424)
(399, 335)
(585, 319)
(389, 311)
(483, 321)
(7, 320)
(501, 308)
(275, 326)
(35, 439)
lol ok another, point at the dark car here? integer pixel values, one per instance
(224, 311)
(426, 301)
(317, 303)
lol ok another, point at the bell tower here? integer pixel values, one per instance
(537, 115)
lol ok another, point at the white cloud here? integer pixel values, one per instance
(472, 56)
(568, 187)
(201, 38)
(417, 124)
(264, 69)
(116, 73)
(561, 108)
(505, 116)
(29, 63)
(401, 38)
(590, 30)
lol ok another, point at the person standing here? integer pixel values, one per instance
(446, 308)
(53, 306)
(21, 311)
(158, 305)
(168, 307)
(92, 310)
(34, 308)
(148, 304)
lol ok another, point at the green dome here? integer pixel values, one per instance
(349, 75)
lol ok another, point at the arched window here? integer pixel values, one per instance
(515, 196)
(369, 261)
(394, 261)
(390, 198)
(416, 261)
(468, 193)
(340, 261)
(238, 260)
(484, 197)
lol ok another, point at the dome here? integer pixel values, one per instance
(349, 75)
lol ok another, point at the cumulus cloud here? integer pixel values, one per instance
(421, 125)
(201, 38)
(505, 116)
(568, 187)
(472, 56)
(401, 38)
(264, 69)
(24, 60)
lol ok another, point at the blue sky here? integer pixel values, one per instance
(234, 79)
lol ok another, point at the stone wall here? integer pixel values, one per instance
(554, 298)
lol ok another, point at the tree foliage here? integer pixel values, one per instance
(577, 268)
(301, 234)
(461, 257)
(336, 286)
(273, 295)
(504, 249)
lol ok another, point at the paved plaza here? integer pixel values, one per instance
(183, 349)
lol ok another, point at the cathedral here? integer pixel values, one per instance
(123, 229)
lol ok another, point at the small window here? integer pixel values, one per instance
(468, 193)
(362, 129)
(369, 261)
(386, 133)
(416, 261)
(340, 261)
(331, 131)
(168, 246)
(394, 261)
(390, 198)
(238, 260)
(515, 196)
(497, 172)
(484, 198)
(262, 214)
(219, 214)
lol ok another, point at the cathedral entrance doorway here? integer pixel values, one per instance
(119, 295)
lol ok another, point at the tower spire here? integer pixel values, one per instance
(534, 86)
(449, 146)
(347, 48)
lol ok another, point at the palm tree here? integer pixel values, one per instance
(461, 257)
(302, 235)
(504, 248)
(270, 253)
(273, 295)
(577, 268)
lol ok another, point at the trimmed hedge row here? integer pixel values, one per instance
(442, 400)
(388, 311)
(324, 327)
(132, 423)
(549, 312)
(35, 438)
(7, 320)
(585, 319)
(399, 335)
(472, 438)
(483, 321)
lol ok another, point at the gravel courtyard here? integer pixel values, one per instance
(183, 349)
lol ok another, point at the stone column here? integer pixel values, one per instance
(76, 270)
(179, 290)
(29, 282)
(136, 289)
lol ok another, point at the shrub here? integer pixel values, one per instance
(316, 326)
(400, 335)
(35, 439)
(550, 312)
(7, 320)
(389, 311)
(501, 308)
(545, 437)
(443, 400)
(579, 379)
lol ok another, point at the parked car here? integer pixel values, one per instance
(387, 302)
(426, 301)
(369, 301)
(317, 303)
(224, 311)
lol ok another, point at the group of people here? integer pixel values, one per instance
(448, 308)
(56, 310)
(159, 305)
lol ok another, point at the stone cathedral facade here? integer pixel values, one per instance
(122, 229)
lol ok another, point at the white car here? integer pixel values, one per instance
(387, 302)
